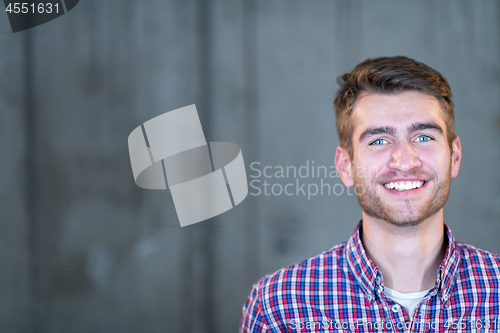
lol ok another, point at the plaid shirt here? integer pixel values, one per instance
(341, 290)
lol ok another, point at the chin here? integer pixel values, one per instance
(404, 223)
(402, 218)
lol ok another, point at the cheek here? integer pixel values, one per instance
(437, 162)
(371, 165)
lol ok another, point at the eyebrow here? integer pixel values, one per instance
(424, 126)
(377, 130)
(391, 130)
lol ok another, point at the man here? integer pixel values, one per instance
(402, 270)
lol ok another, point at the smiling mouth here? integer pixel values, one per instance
(404, 186)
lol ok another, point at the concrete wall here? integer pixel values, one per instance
(83, 249)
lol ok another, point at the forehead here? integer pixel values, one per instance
(397, 110)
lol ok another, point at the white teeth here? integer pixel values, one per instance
(403, 186)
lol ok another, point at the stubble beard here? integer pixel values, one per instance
(408, 212)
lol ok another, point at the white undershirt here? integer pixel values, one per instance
(408, 300)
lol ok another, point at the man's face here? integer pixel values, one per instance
(402, 164)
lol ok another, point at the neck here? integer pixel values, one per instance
(407, 256)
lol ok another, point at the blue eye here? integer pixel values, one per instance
(423, 138)
(378, 142)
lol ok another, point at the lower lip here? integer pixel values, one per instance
(406, 192)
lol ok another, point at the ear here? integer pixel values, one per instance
(344, 166)
(456, 156)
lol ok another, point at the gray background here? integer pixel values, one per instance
(83, 249)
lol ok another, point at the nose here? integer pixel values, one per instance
(404, 157)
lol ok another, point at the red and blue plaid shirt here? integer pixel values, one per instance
(341, 290)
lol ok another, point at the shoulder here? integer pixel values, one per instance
(479, 261)
(291, 284)
(278, 293)
(305, 272)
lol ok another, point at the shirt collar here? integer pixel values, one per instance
(446, 274)
(369, 277)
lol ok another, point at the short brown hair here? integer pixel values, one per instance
(389, 75)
